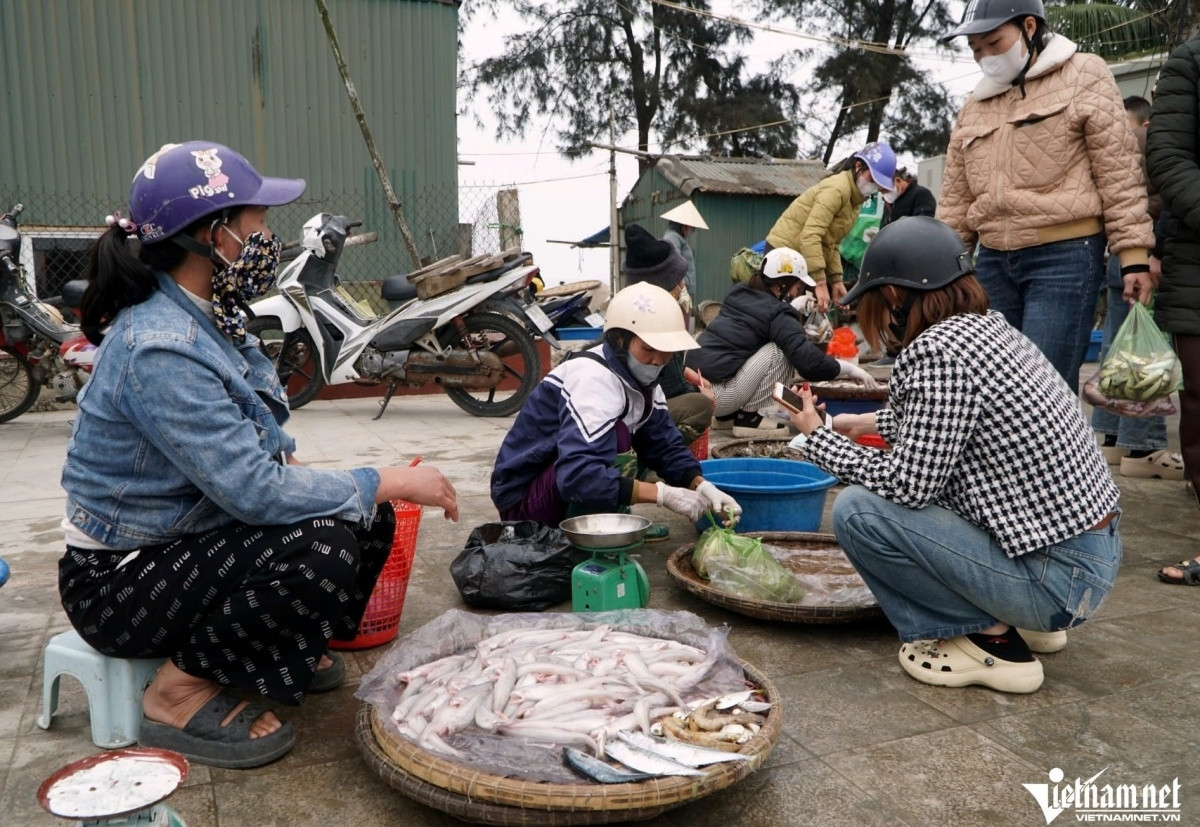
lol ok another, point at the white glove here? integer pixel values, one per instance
(720, 504)
(852, 371)
(805, 303)
(683, 501)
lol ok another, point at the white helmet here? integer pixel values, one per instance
(784, 262)
(651, 314)
(687, 215)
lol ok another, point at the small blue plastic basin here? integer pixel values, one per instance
(775, 494)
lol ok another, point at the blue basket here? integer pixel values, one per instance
(833, 407)
(775, 494)
(579, 334)
(1093, 351)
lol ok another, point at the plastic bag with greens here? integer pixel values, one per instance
(741, 566)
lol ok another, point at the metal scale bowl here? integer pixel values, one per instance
(122, 788)
(609, 579)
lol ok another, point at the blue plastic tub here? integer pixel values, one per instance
(775, 494)
(579, 334)
(1093, 351)
(833, 407)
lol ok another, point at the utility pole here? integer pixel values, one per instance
(614, 238)
(393, 202)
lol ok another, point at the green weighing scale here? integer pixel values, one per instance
(609, 579)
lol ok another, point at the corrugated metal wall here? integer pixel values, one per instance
(92, 88)
(734, 221)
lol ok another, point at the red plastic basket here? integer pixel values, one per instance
(381, 620)
(873, 441)
(699, 446)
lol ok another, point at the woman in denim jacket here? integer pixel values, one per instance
(192, 532)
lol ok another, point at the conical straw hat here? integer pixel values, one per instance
(686, 214)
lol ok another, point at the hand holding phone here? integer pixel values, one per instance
(788, 398)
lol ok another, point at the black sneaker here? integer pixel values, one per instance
(751, 424)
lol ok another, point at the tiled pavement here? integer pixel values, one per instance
(861, 744)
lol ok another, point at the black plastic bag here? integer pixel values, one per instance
(515, 566)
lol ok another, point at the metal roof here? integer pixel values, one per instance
(740, 176)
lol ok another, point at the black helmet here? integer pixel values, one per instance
(984, 15)
(917, 252)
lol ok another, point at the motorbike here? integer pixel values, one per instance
(38, 346)
(476, 341)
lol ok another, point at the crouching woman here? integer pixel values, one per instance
(995, 508)
(192, 532)
(583, 424)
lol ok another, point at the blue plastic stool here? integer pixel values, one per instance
(114, 688)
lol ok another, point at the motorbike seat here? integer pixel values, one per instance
(397, 289)
(72, 293)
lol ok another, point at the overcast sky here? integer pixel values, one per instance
(571, 199)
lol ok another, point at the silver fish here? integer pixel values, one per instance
(678, 751)
(733, 699)
(597, 770)
(650, 762)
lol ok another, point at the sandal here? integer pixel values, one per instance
(1191, 573)
(331, 677)
(958, 662)
(1160, 465)
(205, 741)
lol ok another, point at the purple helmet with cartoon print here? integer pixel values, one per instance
(881, 161)
(182, 183)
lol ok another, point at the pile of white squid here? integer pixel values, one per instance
(559, 686)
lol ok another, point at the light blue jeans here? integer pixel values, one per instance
(1048, 292)
(938, 576)
(1147, 433)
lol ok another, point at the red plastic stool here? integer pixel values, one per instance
(699, 446)
(381, 620)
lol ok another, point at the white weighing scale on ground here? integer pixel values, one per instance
(121, 788)
(609, 580)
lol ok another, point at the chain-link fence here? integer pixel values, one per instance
(58, 228)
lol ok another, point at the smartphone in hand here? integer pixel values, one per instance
(788, 398)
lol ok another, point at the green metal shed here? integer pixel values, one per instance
(92, 87)
(740, 199)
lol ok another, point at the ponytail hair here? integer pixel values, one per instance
(120, 274)
(845, 165)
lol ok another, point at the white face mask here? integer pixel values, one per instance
(890, 197)
(1004, 68)
(646, 375)
(866, 186)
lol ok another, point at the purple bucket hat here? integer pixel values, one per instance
(182, 183)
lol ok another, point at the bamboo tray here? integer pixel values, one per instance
(846, 391)
(465, 807)
(813, 553)
(770, 447)
(443, 783)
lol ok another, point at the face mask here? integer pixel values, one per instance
(245, 278)
(867, 187)
(890, 197)
(645, 375)
(1003, 69)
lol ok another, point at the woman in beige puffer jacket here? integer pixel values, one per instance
(1043, 172)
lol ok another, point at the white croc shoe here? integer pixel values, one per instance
(1044, 643)
(958, 662)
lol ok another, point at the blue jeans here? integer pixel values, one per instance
(938, 576)
(1048, 292)
(1135, 433)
